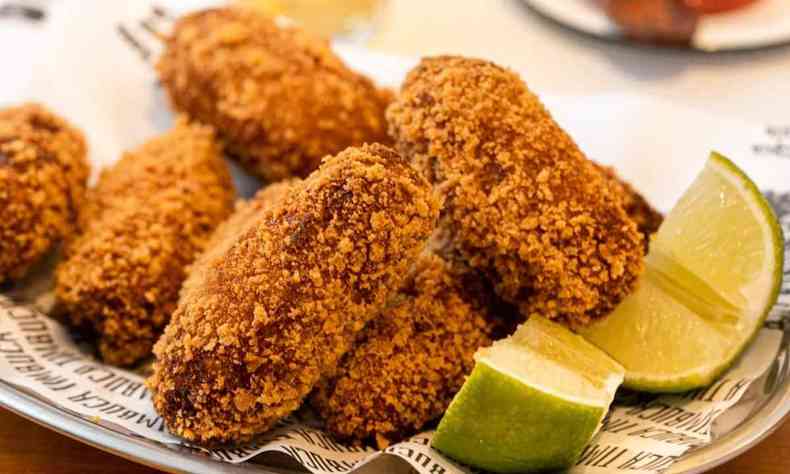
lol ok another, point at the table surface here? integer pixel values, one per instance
(506, 32)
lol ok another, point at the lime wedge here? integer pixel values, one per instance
(713, 273)
(532, 402)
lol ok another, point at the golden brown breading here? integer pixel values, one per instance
(647, 219)
(478, 287)
(409, 361)
(262, 323)
(523, 203)
(244, 217)
(143, 224)
(43, 174)
(280, 98)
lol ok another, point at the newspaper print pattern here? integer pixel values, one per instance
(781, 204)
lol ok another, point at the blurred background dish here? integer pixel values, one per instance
(717, 6)
(705, 25)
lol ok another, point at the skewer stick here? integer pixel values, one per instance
(152, 27)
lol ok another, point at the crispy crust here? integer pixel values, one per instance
(647, 219)
(264, 320)
(43, 174)
(280, 98)
(243, 219)
(478, 288)
(524, 204)
(143, 224)
(409, 362)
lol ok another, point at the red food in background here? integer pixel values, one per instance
(717, 6)
(654, 21)
(664, 21)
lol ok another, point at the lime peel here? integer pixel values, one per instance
(713, 274)
(532, 402)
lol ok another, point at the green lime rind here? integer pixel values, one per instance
(776, 228)
(776, 233)
(500, 424)
(640, 325)
(703, 379)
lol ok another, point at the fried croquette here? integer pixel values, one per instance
(502, 317)
(142, 225)
(670, 22)
(242, 219)
(43, 174)
(262, 321)
(280, 98)
(409, 362)
(524, 205)
(647, 219)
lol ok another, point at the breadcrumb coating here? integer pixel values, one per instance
(478, 287)
(280, 98)
(409, 362)
(264, 319)
(523, 203)
(647, 219)
(242, 219)
(43, 174)
(142, 225)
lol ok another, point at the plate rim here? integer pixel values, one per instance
(749, 433)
